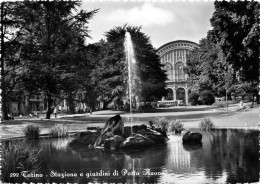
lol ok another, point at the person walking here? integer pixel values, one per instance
(55, 112)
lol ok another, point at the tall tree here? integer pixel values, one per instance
(12, 67)
(54, 33)
(207, 69)
(112, 70)
(236, 31)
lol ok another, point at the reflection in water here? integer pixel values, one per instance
(224, 156)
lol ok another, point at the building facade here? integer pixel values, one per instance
(173, 56)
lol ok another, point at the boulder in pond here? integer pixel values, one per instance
(87, 138)
(192, 137)
(136, 141)
(156, 136)
(113, 126)
(113, 142)
(192, 146)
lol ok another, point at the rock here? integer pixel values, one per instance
(136, 129)
(87, 138)
(136, 141)
(114, 126)
(113, 142)
(156, 136)
(191, 137)
(192, 146)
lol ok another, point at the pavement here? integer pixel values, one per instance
(233, 117)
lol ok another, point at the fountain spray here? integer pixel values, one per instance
(130, 61)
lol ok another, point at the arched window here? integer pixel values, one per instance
(169, 71)
(169, 94)
(179, 73)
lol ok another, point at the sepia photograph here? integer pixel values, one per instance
(130, 92)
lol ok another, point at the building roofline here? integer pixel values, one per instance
(176, 42)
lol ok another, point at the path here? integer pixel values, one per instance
(234, 118)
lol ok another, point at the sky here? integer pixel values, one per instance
(162, 21)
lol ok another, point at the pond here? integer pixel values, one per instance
(225, 156)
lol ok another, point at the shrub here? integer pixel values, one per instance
(220, 104)
(31, 132)
(193, 98)
(176, 126)
(162, 123)
(206, 124)
(18, 157)
(59, 130)
(207, 98)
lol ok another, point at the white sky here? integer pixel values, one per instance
(162, 21)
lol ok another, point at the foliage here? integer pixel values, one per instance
(193, 98)
(11, 64)
(207, 98)
(176, 126)
(59, 130)
(111, 72)
(18, 157)
(206, 124)
(31, 132)
(162, 123)
(236, 31)
(207, 69)
(52, 41)
(221, 104)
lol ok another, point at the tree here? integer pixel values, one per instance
(207, 98)
(236, 31)
(112, 74)
(52, 39)
(12, 67)
(207, 68)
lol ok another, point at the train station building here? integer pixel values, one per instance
(173, 55)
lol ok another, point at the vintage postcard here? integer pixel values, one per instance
(130, 92)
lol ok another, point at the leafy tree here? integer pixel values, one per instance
(236, 31)
(112, 74)
(52, 39)
(207, 69)
(12, 67)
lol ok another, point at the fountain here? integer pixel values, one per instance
(114, 135)
(130, 62)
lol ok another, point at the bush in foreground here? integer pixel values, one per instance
(176, 126)
(31, 132)
(18, 157)
(59, 130)
(206, 124)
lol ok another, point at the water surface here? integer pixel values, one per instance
(225, 156)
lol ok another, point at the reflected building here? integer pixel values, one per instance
(173, 55)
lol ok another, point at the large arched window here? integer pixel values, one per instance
(180, 94)
(169, 71)
(179, 73)
(169, 94)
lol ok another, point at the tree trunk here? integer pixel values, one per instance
(3, 88)
(49, 110)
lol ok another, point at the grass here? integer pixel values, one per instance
(18, 157)
(206, 124)
(31, 132)
(176, 126)
(59, 130)
(162, 123)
